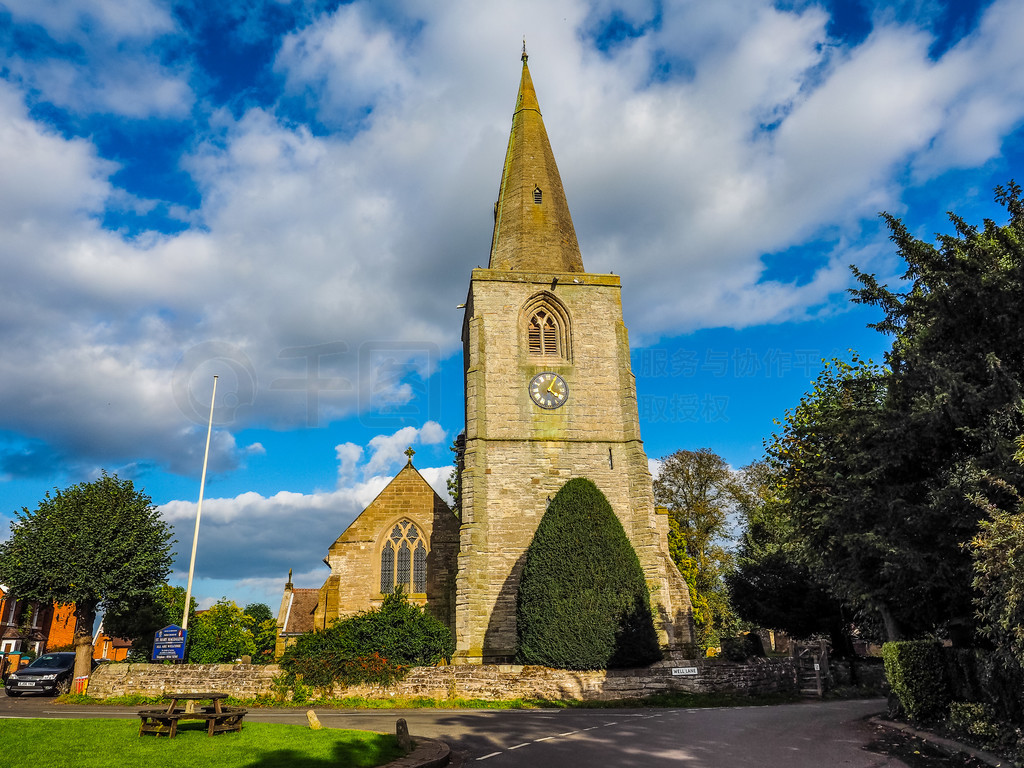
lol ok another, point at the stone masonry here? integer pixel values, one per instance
(489, 682)
(518, 456)
(355, 581)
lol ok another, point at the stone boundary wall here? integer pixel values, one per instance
(489, 682)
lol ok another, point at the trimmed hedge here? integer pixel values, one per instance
(917, 674)
(583, 601)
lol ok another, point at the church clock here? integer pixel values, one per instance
(548, 390)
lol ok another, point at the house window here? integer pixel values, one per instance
(403, 560)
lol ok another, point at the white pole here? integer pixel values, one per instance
(199, 511)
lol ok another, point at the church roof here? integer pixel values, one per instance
(299, 618)
(533, 230)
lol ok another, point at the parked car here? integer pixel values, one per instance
(51, 673)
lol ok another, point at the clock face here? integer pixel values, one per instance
(548, 390)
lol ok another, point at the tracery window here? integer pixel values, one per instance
(543, 334)
(403, 560)
(547, 328)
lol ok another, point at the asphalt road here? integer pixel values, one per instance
(805, 735)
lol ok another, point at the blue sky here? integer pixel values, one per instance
(291, 195)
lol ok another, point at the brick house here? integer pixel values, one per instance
(31, 627)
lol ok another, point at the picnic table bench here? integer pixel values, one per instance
(219, 719)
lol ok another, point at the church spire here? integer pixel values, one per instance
(533, 230)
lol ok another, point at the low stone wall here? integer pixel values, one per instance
(490, 682)
(243, 681)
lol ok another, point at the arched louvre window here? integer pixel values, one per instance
(403, 560)
(543, 334)
(546, 327)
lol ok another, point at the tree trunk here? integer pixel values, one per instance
(893, 631)
(85, 617)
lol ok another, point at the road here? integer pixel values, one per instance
(805, 735)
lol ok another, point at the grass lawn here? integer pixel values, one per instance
(30, 743)
(675, 699)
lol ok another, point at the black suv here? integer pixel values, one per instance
(50, 673)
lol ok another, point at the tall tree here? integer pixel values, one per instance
(772, 585)
(100, 544)
(219, 635)
(261, 624)
(701, 493)
(879, 463)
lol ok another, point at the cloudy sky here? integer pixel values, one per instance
(291, 195)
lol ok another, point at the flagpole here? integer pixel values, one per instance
(199, 511)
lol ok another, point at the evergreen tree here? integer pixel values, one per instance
(879, 465)
(583, 601)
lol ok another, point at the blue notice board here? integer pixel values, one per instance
(169, 644)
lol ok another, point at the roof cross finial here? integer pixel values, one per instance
(525, 57)
(410, 453)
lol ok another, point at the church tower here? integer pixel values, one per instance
(549, 396)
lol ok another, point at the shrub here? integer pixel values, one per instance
(376, 646)
(742, 647)
(916, 673)
(975, 720)
(583, 601)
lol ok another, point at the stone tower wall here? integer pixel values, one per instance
(519, 455)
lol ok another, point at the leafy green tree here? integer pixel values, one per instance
(261, 624)
(258, 612)
(583, 601)
(702, 493)
(831, 518)
(771, 585)
(219, 635)
(139, 620)
(953, 388)
(879, 464)
(997, 553)
(98, 545)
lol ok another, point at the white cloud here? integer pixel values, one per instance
(81, 19)
(319, 277)
(288, 530)
(388, 450)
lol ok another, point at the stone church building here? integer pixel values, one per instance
(549, 396)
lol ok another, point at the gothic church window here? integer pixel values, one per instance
(403, 560)
(547, 328)
(537, 196)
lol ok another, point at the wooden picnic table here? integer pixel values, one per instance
(219, 719)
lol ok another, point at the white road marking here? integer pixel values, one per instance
(493, 754)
